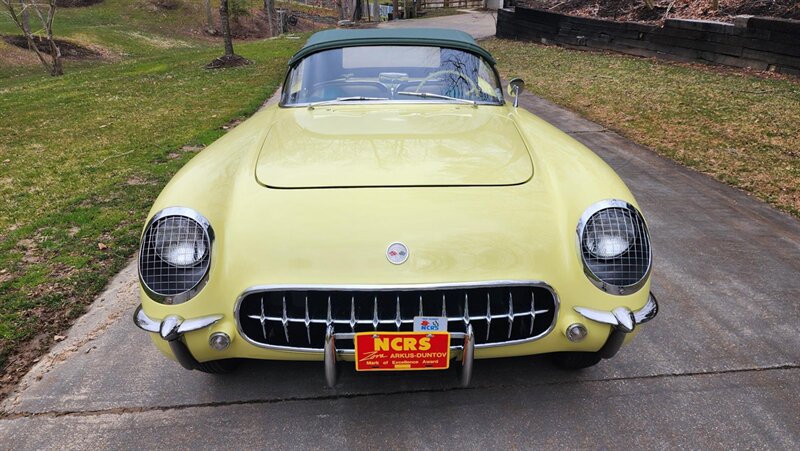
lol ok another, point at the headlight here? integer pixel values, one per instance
(180, 241)
(609, 233)
(614, 246)
(175, 255)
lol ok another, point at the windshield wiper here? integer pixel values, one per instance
(437, 96)
(343, 99)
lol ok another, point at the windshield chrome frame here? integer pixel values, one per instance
(502, 102)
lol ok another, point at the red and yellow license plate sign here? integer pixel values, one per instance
(391, 351)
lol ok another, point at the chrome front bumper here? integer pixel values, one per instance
(621, 319)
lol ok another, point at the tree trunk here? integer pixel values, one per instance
(395, 9)
(340, 7)
(55, 52)
(209, 17)
(269, 8)
(26, 19)
(357, 11)
(226, 27)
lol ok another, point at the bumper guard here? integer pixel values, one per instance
(622, 320)
(172, 329)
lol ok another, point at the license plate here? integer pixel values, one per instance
(403, 351)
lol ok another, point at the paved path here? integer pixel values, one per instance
(719, 368)
(479, 24)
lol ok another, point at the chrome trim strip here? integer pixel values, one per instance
(608, 288)
(621, 317)
(403, 287)
(209, 232)
(391, 102)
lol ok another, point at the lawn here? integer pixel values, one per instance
(83, 156)
(742, 129)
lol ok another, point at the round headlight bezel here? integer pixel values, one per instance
(165, 281)
(640, 244)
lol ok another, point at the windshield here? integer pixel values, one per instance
(392, 73)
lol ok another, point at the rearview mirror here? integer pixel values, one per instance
(515, 88)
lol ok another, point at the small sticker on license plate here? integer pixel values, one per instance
(430, 324)
(385, 351)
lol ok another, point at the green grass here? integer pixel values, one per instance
(742, 129)
(83, 156)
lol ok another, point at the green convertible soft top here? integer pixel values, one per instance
(333, 39)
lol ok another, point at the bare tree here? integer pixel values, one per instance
(22, 19)
(269, 8)
(226, 27)
(26, 20)
(229, 59)
(210, 29)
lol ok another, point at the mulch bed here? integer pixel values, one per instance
(69, 50)
(228, 61)
(76, 3)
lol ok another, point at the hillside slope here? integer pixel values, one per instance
(636, 10)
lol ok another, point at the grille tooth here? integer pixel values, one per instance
(353, 313)
(375, 320)
(489, 316)
(510, 314)
(303, 312)
(263, 319)
(308, 323)
(466, 310)
(329, 319)
(397, 320)
(285, 320)
(533, 309)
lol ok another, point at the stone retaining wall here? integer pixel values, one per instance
(761, 43)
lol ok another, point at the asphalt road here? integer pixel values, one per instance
(718, 368)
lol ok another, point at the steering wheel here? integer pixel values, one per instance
(439, 73)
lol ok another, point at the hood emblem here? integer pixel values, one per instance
(397, 253)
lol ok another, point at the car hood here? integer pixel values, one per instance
(383, 145)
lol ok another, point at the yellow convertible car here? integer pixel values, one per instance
(395, 211)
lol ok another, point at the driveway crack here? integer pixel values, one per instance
(337, 396)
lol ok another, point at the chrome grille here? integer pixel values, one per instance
(296, 317)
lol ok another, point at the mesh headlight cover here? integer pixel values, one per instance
(175, 255)
(615, 247)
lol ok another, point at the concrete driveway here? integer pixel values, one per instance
(719, 367)
(480, 24)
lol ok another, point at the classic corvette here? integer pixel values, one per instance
(397, 211)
